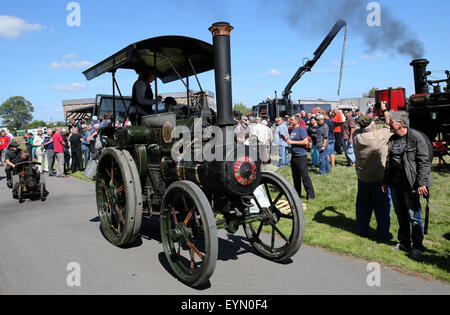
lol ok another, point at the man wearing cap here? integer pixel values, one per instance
(371, 149)
(142, 99)
(11, 154)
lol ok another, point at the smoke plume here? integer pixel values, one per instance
(394, 36)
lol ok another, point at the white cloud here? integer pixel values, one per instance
(74, 87)
(13, 27)
(70, 65)
(273, 73)
(70, 56)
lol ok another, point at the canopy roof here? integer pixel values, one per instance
(177, 49)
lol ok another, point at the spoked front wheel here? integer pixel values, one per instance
(279, 233)
(119, 199)
(189, 233)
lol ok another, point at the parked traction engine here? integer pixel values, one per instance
(139, 175)
(430, 112)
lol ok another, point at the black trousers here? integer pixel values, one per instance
(338, 143)
(299, 166)
(8, 171)
(77, 161)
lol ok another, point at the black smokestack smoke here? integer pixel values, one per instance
(308, 16)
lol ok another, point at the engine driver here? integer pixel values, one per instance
(142, 98)
(11, 155)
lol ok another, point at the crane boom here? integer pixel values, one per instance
(310, 63)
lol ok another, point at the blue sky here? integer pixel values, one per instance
(42, 58)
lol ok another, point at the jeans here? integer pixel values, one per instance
(330, 148)
(284, 156)
(86, 154)
(324, 163)
(348, 149)
(300, 174)
(315, 155)
(371, 198)
(409, 214)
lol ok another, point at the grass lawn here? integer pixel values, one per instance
(331, 222)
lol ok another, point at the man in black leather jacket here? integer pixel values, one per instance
(408, 174)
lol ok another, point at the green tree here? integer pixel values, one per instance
(16, 112)
(34, 124)
(240, 107)
(371, 93)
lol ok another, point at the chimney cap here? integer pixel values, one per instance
(221, 29)
(419, 61)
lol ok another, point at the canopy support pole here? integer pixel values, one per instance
(114, 95)
(156, 84)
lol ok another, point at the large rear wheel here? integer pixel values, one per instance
(119, 199)
(189, 233)
(279, 233)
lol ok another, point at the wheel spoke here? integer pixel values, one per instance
(274, 203)
(106, 192)
(108, 173)
(272, 244)
(174, 216)
(281, 233)
(189, 216)
(192, 259)
(120, 189)
(259, 229)
(257, 203)
(112, 172)
(193, 248)
(119, 212)
(184, 203)
(268, 192)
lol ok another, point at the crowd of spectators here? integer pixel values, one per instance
(59, 150)
(392, 163)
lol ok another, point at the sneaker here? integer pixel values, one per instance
(415, 253)
(401, 247)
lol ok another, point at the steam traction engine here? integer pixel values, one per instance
(138, 177)
(430, 112)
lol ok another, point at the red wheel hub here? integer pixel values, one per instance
(245, 171)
